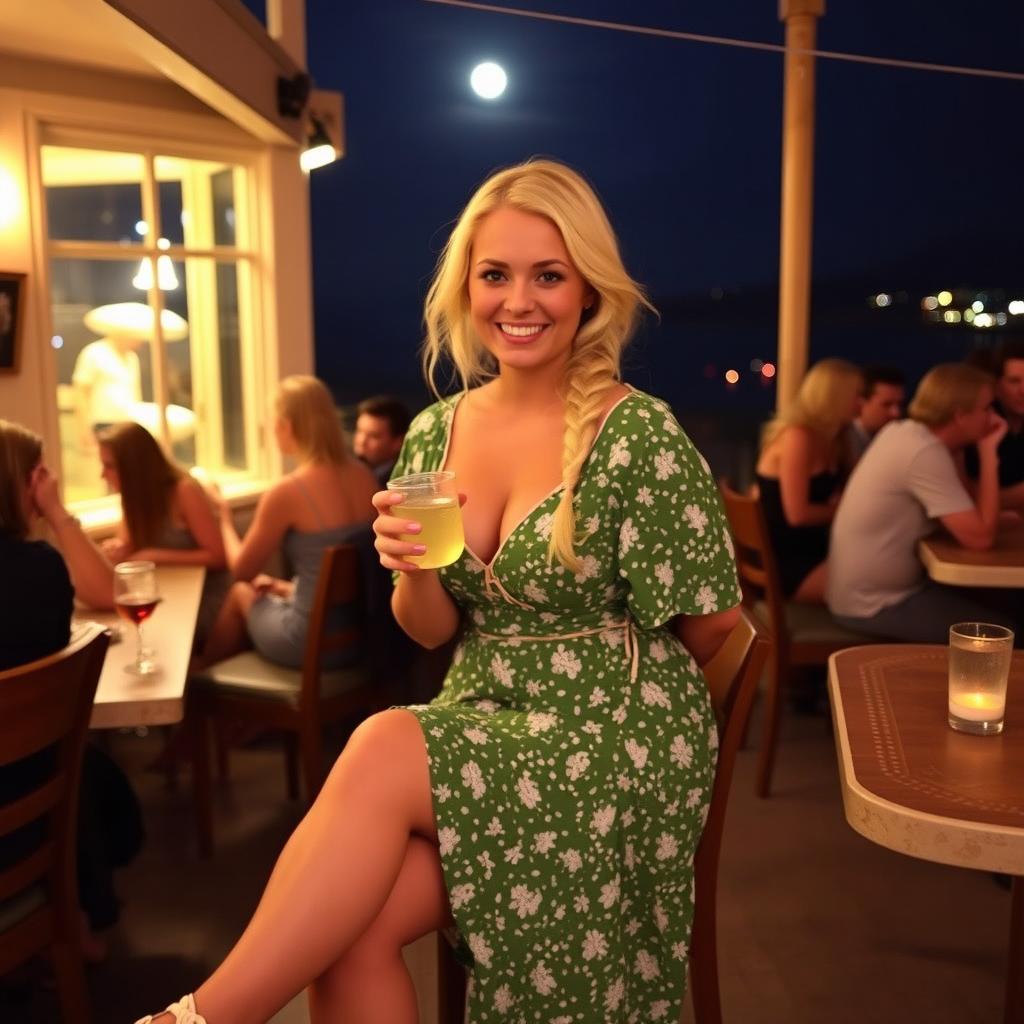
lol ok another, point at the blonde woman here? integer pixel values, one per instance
(549, 801)
(800, 472)
(323, 502)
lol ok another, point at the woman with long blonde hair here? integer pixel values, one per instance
(549, 801)
(800, 471)
(324, 501)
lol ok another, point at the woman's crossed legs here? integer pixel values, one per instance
(359, 878)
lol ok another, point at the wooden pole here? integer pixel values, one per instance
(800, 17)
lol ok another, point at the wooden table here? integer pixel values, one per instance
(912, 784)
(1002, 565)
(123, 699)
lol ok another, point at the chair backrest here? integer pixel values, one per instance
(45, 707)
(732, 677)
(755, 558)
(338, 583)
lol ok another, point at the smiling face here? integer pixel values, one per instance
(525, 296)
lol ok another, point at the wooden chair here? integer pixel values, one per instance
(44, 705)
(300, 702)
(802, 634)
(732, 676)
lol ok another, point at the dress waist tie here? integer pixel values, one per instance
(629, 638)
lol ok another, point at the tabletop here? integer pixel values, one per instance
(910, 782)
(159, 699)
(1002, 565)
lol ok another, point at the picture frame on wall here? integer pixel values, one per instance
(12, 316)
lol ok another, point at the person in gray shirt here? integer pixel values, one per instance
(906, 484)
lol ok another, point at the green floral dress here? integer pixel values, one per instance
(572, 747)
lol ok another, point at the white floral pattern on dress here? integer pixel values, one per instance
(570, 799)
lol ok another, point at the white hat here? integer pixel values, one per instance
(134, 320)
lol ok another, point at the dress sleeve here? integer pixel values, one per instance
(675, 552)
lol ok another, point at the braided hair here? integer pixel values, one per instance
(558, 193)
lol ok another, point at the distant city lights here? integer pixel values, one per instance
(488, 80)
(756, 365)
(1016, 307)
(141, 227)
(984, 320)
(768, 371)
(978, 306)
(929, 302)
(57, 341)
(883, 299)
(732, 377)
(945, 298)
(951, 316)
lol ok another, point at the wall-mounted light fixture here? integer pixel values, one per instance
(319, 147)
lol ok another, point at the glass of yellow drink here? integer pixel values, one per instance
(432, 501)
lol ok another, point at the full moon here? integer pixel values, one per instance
(488, 80)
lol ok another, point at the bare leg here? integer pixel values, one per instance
(812, 587)
(228, 634)
(334, 875)
(370, 983)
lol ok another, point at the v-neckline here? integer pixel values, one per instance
(547, 497)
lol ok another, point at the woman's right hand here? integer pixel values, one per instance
(45, 493)
(388, 527)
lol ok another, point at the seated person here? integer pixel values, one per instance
(800, 470)
(381, 424)
(904, 486)
(167, 516)
(1008, 368)
(881, 402)
(35, 608)
(325, 501)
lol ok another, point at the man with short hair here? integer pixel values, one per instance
(904, 486)
(1008, 368)
(381, 423)
(881, 402)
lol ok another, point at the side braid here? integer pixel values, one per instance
(590, 376)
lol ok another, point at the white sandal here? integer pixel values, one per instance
(183, 1012)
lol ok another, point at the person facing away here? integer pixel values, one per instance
(1008, 367)
(325, 501)
(550, 799)
(167, 517)
(36, 602)
(881, 402)
(800, 472)
(907, 484)
(381, 423)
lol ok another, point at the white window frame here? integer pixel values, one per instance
(246, 254)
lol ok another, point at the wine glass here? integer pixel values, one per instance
(135, 597)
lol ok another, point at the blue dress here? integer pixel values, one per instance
(278, 625)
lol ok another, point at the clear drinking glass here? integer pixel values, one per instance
(432, 501)
(135, 597)
(979, 667)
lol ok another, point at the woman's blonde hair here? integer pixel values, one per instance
(945, 390)
(825, 395)
(20, 452)
(148, 481)
(306, 404)
(551, 190)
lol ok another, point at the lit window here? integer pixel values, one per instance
(131, 236)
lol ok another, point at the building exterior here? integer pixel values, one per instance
(153, 216)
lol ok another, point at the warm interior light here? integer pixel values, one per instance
(10, 199)
(319, 148)
(166, 278)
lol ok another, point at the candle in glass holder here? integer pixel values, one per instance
(979, 667)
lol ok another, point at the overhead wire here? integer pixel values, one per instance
(745, 44)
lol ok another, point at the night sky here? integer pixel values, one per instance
(917, 174)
